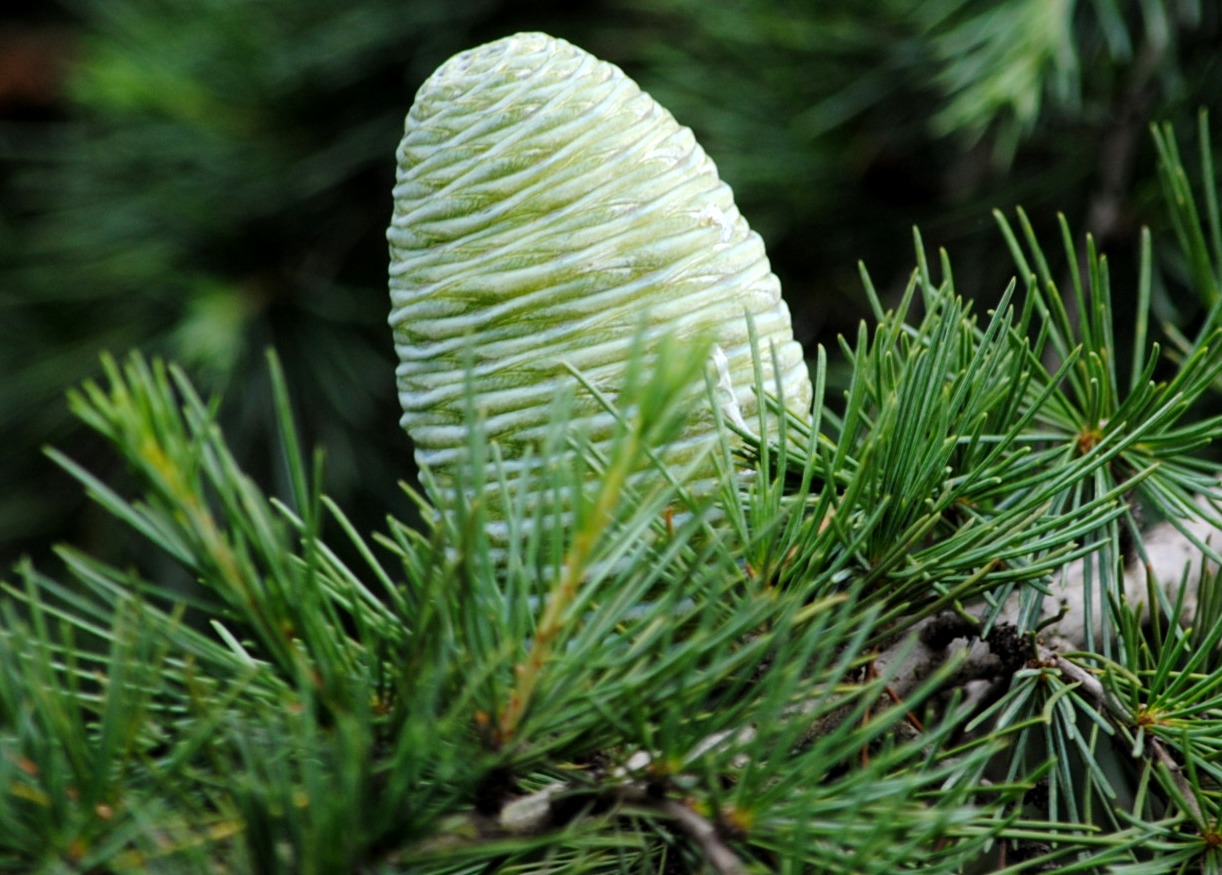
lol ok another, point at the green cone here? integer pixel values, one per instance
(544, 207)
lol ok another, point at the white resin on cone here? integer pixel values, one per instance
(544, 206)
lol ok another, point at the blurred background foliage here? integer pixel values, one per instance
(206, 180)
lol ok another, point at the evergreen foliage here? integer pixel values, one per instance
(857, 662)
(841, 125)
(679, 683)
(219, 184)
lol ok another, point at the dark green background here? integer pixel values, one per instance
(208, 180)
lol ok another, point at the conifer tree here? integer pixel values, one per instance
(959, 617)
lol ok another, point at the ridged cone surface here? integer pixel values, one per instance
(543, 206)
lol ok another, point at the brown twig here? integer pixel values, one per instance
(705, 836)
